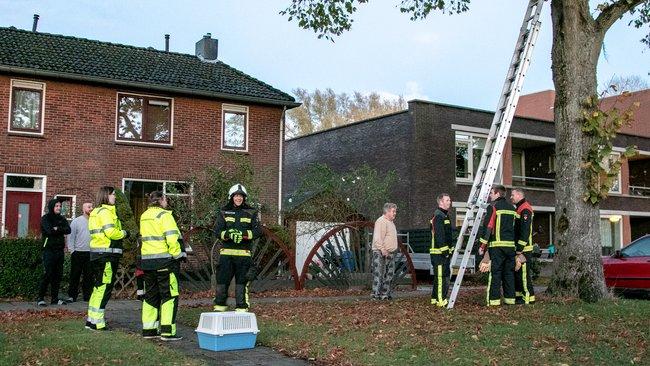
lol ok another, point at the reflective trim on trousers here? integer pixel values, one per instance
(220, 308)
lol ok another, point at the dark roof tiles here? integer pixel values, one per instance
(71, 56)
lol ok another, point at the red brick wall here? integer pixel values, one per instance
(78, 151)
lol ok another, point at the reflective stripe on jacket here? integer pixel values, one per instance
(441, 239)
(499, 224)
(160, 236)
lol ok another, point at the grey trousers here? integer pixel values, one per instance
(383, 270)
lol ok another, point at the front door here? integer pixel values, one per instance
(23, 213)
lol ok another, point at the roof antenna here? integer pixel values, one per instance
(35, 22)
(166, 42)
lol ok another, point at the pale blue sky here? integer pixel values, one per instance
(459, 59)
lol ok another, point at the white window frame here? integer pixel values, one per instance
(470, 159)
(26, 84)
(146, 143)
(164, 183)
(42, 190)
(225, 108)
(618, 177)
(74, 203)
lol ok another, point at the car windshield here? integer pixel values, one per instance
(640, 248)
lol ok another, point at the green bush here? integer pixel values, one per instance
(21, 268)
(128, 220)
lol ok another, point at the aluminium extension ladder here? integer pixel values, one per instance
(477, 201)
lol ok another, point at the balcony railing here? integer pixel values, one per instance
(535, 182)
(640, 191)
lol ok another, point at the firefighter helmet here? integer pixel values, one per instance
(237, 189)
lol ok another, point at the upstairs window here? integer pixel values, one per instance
(144, 119)
(469, 149)
(26, 107)
(234, 129)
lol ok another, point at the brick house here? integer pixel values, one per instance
(84, 113)
(436, 147)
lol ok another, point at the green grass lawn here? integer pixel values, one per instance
(411, 332)
(59, 338)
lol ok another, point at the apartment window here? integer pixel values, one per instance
(551, 163)
(610, 233)
(144, 119)
(616, 185)
(469, 149)
(26, 107)
(234, 128)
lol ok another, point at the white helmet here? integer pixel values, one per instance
(237, 189)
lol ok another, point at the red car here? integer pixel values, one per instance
(629, 268)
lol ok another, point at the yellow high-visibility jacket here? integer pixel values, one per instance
(160, 239)
(106, 233)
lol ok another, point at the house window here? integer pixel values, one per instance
(144, 119)
(469, 149)
(137, 192)
(610, 233)
(235, 128)
(26, 107)
(68, 205)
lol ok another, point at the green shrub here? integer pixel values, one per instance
(21, 268)
(125, 214)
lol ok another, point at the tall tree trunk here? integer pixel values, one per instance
(576, 48)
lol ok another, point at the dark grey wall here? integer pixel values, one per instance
(384, 143)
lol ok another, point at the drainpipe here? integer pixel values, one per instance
(284, 110)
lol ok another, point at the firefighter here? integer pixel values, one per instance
(499, 238)
(441, 243)
(237, 226)
(524, 292)
(161, 254)
(106, 237)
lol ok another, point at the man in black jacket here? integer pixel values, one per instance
(54, 227)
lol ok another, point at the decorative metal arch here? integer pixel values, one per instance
(272, 258)
(343, 256)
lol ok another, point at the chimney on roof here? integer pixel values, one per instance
(166, 42)
(35, 23)
(207, 48)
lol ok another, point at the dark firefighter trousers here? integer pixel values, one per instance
(160, 304)
(502, 274)
(524, 292)
(440, 265)
(229, 266)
